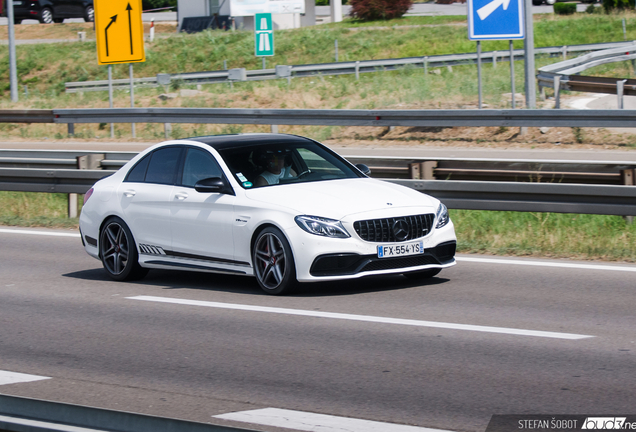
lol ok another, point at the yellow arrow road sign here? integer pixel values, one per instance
(119, 31)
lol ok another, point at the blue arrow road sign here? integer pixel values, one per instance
(495, 19)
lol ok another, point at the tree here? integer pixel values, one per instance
(372, 10)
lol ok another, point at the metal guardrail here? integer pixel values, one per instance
(330, 117)
(433, 168)
(416, 173)
(338, 68)
(564, 75)
(19, 414)
(470, 195)
(530, 197)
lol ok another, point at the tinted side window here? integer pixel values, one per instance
(163, 166)
(199, 165)
(138, 173)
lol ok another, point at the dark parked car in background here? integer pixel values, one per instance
(51, 11)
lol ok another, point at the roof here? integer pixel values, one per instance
(220, 142)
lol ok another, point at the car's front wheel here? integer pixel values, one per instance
(118, 251)
(46, 16)
(273, 262)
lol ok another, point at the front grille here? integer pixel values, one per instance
(385, 230)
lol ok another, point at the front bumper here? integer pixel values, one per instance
(351, 264)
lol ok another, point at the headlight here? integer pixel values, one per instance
(442, 216)
(322, 226)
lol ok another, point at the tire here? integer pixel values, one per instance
(118, 251)
(537, 2)
(273, 262)
(423, 274)
(58, 20)
(89, 14)
(46, 16)
(17, 20)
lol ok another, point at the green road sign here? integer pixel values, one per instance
(264, 35)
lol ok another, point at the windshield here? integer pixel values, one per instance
(275, 164)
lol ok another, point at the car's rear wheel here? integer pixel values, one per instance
(89, 14)
(273, 262)
(423, 274)
(17, 20)
(46, 16)
(58, 20)
(118, 251)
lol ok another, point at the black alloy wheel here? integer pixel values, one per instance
(273, 262)
(89, 14)
(46, 16)
(118, 251)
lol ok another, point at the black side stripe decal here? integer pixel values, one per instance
(159, 251)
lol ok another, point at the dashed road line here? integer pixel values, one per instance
(364, 318)
(306, 421)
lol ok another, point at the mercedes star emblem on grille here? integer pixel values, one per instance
(401, 229)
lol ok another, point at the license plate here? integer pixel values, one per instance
(404, 249)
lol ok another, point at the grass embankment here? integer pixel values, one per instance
(44, 69)
(552, 235)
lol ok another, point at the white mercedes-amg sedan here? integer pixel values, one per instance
(282, 208)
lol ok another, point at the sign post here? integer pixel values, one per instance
(495, 20)
(264, 35)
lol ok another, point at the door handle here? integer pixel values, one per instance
(129, 193)
(181, 195)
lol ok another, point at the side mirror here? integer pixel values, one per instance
(364, 169)
(213, 185)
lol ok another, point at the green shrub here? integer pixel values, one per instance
(564, 8)
(610, 5)
(591, 9)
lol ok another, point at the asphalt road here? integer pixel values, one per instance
(100, 345)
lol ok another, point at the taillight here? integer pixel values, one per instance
(88, 194)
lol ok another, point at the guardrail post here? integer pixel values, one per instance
(494, 59)
(425, 61)
(274, 128)
(427, 170)
(71, 129)
(414, 171)
(167, 130)
(565, 52)
(620, 89)
(557, 92)
(628, 176)
(72, 205)
(357, 70)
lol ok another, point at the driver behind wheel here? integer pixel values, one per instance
(276, 165)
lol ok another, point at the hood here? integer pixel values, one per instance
(337, 199)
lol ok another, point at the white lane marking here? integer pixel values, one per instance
(7, 377)
(306, 421)
(41, 425)
(42, 233)
(365, 318)
(547, 264)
